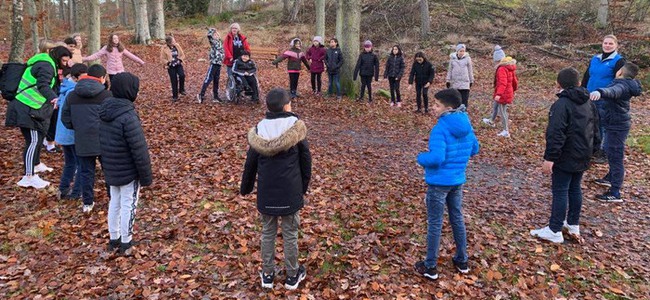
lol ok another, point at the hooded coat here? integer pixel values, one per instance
(451, 143)
(334, 60)
(572, 134)
(367, 65)
(505, 81)
(460, 73)
(617, 98)
(279, 156)
(20, 115)
(317, 56)
(125, 155)
(394, 66)
(64, 136)
(81, 113)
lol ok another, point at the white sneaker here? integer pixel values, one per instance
(571, 229)
(88, 208)
(504, 133)
(33, 181)
(42, 168)
(489, 122)
(547, 234)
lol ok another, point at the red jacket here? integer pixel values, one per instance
(505, 82)
(228, 48)
(317, 56)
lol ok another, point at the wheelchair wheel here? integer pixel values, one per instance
(231, 90)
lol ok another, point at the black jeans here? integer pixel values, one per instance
(213, 75)
(251, 82)
(51, 132)
(316, 82)
(31, 153)
(293, 83)
(394, 89)
(615, 150)
(566, 188)
(464, 94)
(422, 93)
(87, 178)
(366, 82)
(177, 76)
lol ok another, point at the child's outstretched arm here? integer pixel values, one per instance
(437, 150)
(132, 57)
(95, 56)
(250, 172)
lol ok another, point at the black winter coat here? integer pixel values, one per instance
(282, 166)
(240, 67)
(21, 115)
(394, 66)
(367, 65)
(422, 72)
(617, 96)
(125, 155)
(572, 135)
(81, 113)
(333, 60)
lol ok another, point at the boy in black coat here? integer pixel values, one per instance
(125, 159)
(367, 67)
(279, 156)
(572, 136)
(617, 123)
(423, 73)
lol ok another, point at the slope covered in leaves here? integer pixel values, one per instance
(364, 223)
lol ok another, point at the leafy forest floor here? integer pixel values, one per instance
(364, 222)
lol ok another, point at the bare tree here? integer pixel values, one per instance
(215, 7)
(320, 18)
(72, 15)
(293, 17)
(157, 22)
(339, 18)
(46, 11)
(33, 23)
(286, 9)
(94, 26)
(62, 10)
(142, 35)
(17, 32)
(425, 20)
(603, 12)
(350, 44)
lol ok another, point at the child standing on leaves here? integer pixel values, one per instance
(460, 74)
(279, 157)
(505, 86)
(572, 136)
(172, 57)
(316, 56)
(394, 71)
(367, 67)
(113, 53)
(295, 56)
(617, 122)
(216, 60)
(334, 61)
(451, 144)
(423, 73)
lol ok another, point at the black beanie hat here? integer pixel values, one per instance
(125, 85)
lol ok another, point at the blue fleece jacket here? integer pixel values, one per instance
(64, 136)
(451, 143)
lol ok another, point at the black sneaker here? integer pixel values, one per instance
(113, 245)
(267, 280)
(609, 197)
(428, 273)
(126, 249)
(417, 111)
(292, 282)
(183, 93)
(174, 99)
(461, 267)
(603, 182)
(600, 157)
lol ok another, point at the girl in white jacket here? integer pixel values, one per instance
(460, 74)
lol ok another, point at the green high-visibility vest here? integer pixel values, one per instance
(27, 89)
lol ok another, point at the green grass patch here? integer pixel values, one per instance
(34, 232)
(196, 258)
(379, 226)
(161, 268)
(5, 248)
(642, 142)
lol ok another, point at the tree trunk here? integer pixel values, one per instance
(425, 20)
(603, 12)
(339, 18)
(72, 15)
(46, 8)
(33, 23)
(142, 35)
(350, 44)
(157, 24)
(320, 18)
(243, 4)
(17, 32)
(94, 26)
(62, 10)
(293, 17)
(286, 9)
(214, 7)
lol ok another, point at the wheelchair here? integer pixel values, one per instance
(237, 91)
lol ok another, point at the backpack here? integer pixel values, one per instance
(10, 76)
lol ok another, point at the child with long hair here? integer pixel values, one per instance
(113, 52)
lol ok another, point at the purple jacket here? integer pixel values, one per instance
(317, 56)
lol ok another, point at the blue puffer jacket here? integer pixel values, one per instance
(64, 136)
(451, 143)
(617, 98)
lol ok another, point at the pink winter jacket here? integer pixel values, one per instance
(113, 59)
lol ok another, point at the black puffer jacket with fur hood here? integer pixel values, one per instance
(279, 156)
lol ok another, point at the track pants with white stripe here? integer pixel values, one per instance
(33, 144)
(121, 210)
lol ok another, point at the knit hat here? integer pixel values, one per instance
(318, 39)
(293, 42)
(235, 25)
(460, 46)
(367, 44)
(498, 54)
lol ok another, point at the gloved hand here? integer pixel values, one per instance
(595, 95)
(448, 84)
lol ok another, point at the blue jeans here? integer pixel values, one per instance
(334, 81)
(70, 170)
(615, 150)
(437, 196)
(600, 106)
(87, 170)
(566, 188)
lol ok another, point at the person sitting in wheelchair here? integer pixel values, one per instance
(243, 71)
